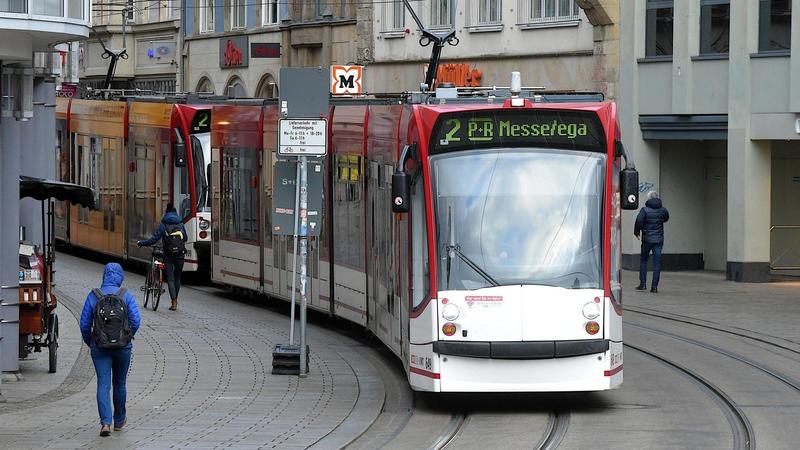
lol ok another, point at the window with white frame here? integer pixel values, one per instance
(549, 11)
(393, 16)
(269, 12)
(238, 14)
(398, 12)
(440, 13)
(206, 16)
(489, 12)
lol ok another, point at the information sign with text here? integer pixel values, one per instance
(303, 137)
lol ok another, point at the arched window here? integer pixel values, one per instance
(234, 88)
(205, 86)
(267, 87)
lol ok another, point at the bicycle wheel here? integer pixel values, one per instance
(148, 285)
(157, 282)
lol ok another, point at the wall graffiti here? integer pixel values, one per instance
(645, 186)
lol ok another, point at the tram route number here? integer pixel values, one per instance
(501, 128)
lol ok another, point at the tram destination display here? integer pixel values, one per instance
(518, 128)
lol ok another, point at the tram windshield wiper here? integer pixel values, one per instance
(454, 249)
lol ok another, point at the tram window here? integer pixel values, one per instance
(419, 236)
(239, 194)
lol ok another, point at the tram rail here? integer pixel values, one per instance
(743, 434)
(780, 376)
(757, 336)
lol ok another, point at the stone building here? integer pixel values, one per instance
(710, 107)
(148, 30)
(558, 44)
(237, 47)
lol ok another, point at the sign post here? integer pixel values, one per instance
(302, 133)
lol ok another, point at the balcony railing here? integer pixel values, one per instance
(76, 11)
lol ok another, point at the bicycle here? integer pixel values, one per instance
(155, 279)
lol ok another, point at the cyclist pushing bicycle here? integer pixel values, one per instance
(172, 234)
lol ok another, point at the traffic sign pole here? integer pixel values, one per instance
(303, 262)
(294, 254)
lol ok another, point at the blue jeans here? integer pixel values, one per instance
(647, 247)
(111, 367)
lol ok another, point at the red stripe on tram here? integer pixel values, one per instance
(613, 371)
(424, 373)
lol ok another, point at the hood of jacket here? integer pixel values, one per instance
(171, 218)
(113, 275)
(654, 203)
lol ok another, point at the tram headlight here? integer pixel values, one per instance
(591, 310)
(203, 224)
(450, 312)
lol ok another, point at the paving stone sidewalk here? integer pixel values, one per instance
(200, 378)
(770, 308)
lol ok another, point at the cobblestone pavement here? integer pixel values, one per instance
(200, 378)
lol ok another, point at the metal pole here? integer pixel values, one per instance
(294, 252)
(303, 261)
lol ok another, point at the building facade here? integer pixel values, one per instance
(149, 32)
(557, 44)
(237, 47)
(27, 136)
(710, 106)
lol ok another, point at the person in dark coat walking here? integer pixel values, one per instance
(111, 365)
(650, 224)
(171, 225)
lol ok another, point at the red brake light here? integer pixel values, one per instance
(449, 329)
(592, 327)
(203, 235)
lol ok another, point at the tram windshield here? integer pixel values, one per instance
(201, 162)
(508, 216)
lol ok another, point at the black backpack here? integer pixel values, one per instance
(173, 240)
(111, 328)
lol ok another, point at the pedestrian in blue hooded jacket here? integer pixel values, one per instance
(650, 223)
(111, 365)
(171, 225)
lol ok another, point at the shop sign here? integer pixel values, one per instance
(233, 52)
(347, 80)
(67, 90)
(265, 50)
(460, 74)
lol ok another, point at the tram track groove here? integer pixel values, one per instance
(557, 425)
(780, 376)
(752, 335)
(742, 429)
(457, 422)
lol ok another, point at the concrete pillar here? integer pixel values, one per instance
(646, 154)
(9, 242)
(749, 162)
(38, 157)
(794, 86)
(684, 14)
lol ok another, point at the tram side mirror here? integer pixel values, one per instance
(401, 192)
(629, 189)
(179, 149)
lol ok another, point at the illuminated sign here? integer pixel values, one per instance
(233, 52)
(265, 50)
(518, 128)
(201, 122)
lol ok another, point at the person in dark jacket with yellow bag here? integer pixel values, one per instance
(650, 224)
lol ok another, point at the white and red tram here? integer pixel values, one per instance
(478, 238)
